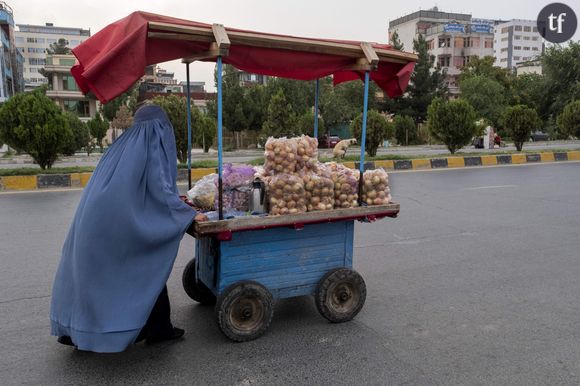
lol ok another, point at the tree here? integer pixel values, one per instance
(561, 68)
(377, 130)
(520, 121)
(405, 130)
(485, 95)
(426, 83)
(483, 66)
(280, 118)
(342, 103)
(205, 132)
(81, 136)
(305, 124)
(176, 109)
(59, 47)
(98, 129)
(396, 42)
(32, 123)
(122, 121)
(569, 119)
(234, 118)
(452, 122)
(128, 98)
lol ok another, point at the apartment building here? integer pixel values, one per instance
(34, 40)
(63, 89)
(452, 38)
(11, 60)
(516, 41)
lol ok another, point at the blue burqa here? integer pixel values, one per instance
(123, 240)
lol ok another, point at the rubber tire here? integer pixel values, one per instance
(328, 282)
(234, 293)
(195, 289)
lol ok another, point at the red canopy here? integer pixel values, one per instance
(112, 60)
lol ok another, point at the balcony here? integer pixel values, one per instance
(65, 94)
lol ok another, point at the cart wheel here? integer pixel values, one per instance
(340, 295)
(195, 289)
(244, 311)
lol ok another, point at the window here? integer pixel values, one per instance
(80, 108)
(19, 39)
(50, 41)
(517, 57)
(535, 49)
(444, 61)
(503, 60)
(517, 47)
(35, 40)
(444, 42)
(535, 29)
(527, 29)
(504, 49)
(526, 48)
(535, 38)
(35, 50)
(504, 39)
(37, 61)
(504, 30)
(488, 43)
(517, 37)
(518, 28)
(69, 84)
(34, 70)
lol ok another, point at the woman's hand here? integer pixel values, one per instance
(200, 217)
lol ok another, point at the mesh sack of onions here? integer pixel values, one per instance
(307, 152)
(280, 156)
(286, 194)
(376, 189)
(319, 192)
(345, 185)
(237, 185)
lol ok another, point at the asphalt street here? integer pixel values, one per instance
(476, 282)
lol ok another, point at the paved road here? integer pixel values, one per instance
(249, 155)
(475, 283)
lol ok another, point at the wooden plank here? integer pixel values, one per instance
(213, 52)
(255, 222)
(281, 42)
(221, 36)
(370, 54)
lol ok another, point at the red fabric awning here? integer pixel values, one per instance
(112, 60)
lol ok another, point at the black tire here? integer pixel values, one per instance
(195, 289)
(340, 295)
(244, 311)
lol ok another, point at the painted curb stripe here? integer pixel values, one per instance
(421, 163)
(547, 157)
(518, 158)
(18, 183)
(439, 163)
(472, 161)
(561, 156)
(488, 160)
(533, 158)
(504, 159)
(44, 181)
(574, 156)
(455, 162)
(403, 164)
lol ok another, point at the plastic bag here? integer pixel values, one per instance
(376, 189)
(307, 152)
(286, 194)
(203, 193)
(319, 192)
(280, 156)
(345, 185)
(237, 187)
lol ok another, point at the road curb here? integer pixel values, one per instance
(80, 180)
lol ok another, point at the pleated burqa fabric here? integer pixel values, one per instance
(123, 240)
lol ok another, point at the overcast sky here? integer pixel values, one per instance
(365, 20)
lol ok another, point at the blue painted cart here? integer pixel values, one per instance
(242, 265)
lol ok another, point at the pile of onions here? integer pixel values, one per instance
(319, 192)
(307, 152)
(376, 189)
(345, 185)
(280, 156)
(286, 194)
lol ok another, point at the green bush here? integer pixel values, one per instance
(377, 130)
(32, 123)
(569, 119)
(519, 122)
(81, 136)
(405, 130)
(452, 122)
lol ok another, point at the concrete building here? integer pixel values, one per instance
(529, 67)
(516, 41)
(63, 89)
(452, 38)
(11, 60)
(33, 41)
(248, 79)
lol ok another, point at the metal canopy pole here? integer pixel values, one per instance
(364, 136)
(220, 140)
(316, 94)
(188, 127)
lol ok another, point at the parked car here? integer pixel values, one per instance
(328, 141)
(539, 136)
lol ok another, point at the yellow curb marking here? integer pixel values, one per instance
(574, 155)
(385, 164)
(547, 157)
(455, 162)
(488, 160)
(421, 163)
(19, 182)
(519, 159)
(199, 173)
(84, 178)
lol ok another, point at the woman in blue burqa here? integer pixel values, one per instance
(109, 291)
